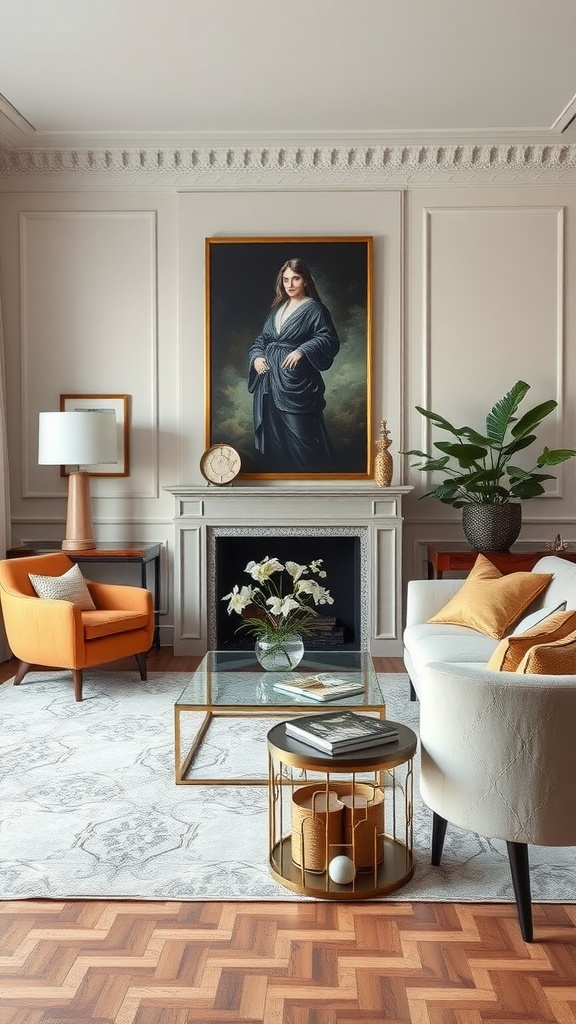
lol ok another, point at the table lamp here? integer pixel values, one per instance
(82, 438)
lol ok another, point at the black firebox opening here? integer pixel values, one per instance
(341, 562)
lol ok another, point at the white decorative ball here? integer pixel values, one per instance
(341, 870)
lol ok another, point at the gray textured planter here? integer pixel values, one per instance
(492, 527)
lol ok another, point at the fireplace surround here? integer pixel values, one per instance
(204, 514)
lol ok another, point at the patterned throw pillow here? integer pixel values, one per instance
(491, 602)
(71, 586)
(509, 653)
(556, 659)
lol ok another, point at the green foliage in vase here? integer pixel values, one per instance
(479, 468)
(284, 600)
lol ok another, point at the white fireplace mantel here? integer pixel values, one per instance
(205, 512)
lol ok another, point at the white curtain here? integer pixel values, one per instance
(4, 478)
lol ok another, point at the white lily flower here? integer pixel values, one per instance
(261, 571)
(282, 605)
(239, 599)
(296, 570)
(318, 594)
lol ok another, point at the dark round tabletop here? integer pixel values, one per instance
(302, 755)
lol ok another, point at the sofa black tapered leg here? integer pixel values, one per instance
(413, 694)
(520, 869)
(438, 833)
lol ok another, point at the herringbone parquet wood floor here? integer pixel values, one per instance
(283, 963)
(100, 962)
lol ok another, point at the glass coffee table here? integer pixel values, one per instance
(233, 684)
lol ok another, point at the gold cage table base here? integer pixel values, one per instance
(355, 805)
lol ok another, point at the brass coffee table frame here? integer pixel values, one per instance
(205, 677)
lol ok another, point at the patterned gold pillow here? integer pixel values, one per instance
(71, 586)
(491, 602)
(555, 659)
(511, 650)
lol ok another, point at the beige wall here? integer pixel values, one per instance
(104, 292)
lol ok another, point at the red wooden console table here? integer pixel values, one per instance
(460, 558)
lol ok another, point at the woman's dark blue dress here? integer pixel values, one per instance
(289, 430)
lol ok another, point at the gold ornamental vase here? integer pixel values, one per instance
(383, 462)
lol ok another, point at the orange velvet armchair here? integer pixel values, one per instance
(58, 634)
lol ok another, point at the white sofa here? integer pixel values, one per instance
(497, 747)
(431, 643)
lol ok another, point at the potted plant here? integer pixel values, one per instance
(480, 473)
(279, 611)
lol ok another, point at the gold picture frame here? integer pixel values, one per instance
(241, 286)
(120, 404)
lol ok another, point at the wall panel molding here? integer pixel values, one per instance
(88, 291)
(533, 234)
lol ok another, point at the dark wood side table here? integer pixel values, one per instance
(112, 551)
(460, 558)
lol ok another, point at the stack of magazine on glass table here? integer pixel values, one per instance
(322, 686)
(341, 732)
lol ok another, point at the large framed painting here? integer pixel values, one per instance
(288, 354)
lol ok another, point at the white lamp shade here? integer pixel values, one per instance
(81, 438)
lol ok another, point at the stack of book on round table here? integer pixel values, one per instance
(341, 732)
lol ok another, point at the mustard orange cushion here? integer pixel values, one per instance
(104, 623)
(511, 650)
(490, 602)
(553, 659)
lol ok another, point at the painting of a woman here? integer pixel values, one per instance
(285, 362)
(288, 342)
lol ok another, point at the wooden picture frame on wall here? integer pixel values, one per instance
(120, 404)
(310, 418)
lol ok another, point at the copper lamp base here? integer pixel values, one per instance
(79, 528)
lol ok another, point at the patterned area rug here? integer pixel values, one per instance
(89, 808)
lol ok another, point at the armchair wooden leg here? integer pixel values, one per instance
(520, 870)
(438, 833)
(141, 661)
(77, 677)
(23, 668)
(413, 694)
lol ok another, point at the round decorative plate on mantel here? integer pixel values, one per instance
(220, 464)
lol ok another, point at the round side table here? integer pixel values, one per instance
(355, 806)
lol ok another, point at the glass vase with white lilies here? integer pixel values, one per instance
(280, 605)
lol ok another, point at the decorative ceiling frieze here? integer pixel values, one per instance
(280, 167)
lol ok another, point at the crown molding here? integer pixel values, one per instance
(308, 166)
